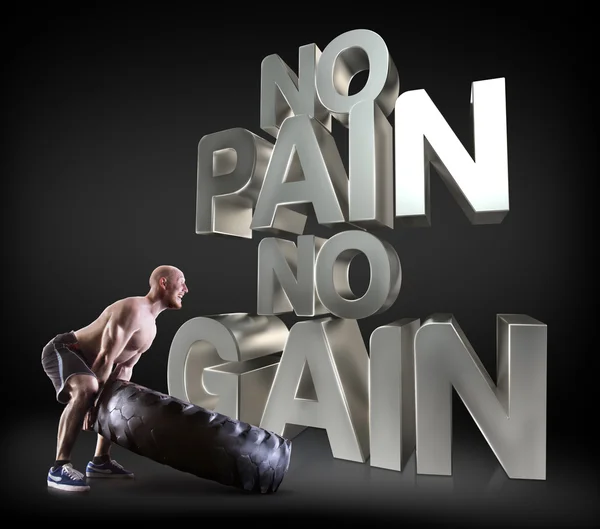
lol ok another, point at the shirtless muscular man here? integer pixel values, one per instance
(80, 362)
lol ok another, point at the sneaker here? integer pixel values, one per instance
(110, 469)
(66, 477)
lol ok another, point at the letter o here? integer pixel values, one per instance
(332, 281)
(344, 57)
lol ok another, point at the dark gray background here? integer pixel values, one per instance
(102, 116)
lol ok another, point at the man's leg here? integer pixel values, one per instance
(102, 449)
(103, 466)
(81, 390)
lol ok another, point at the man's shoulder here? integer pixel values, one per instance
(129, 309)
(133, 302)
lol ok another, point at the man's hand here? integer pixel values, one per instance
(90, 417)
(92, 414)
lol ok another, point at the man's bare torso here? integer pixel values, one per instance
(138, 309)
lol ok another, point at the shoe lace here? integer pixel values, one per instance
(120, 467)
(71, 472)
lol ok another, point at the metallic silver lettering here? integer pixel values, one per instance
(334, 354)
(392, 394)
(231, 168)
(283, 94)
(239, 344)
(332, 281)
(424, 138)
(371, 174)
(286, 276)
(305, 168)
(511, 415)
(345, 56)
(242, 387)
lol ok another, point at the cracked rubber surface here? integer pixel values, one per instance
(190, 438)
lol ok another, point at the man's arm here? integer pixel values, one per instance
(119, 330)
(123, 371)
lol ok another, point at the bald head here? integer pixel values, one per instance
(167, 285)
(167, 271)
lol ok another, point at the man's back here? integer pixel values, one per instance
(132, 311)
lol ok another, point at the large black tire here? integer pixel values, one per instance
(190, 438)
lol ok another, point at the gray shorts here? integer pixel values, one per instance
(61, 359)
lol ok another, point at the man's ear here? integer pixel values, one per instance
(163, 282)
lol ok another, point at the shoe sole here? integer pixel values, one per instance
(113, 476)
(69, 488)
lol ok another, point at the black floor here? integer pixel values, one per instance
(316, 486)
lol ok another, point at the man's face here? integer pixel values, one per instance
(175, 290)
